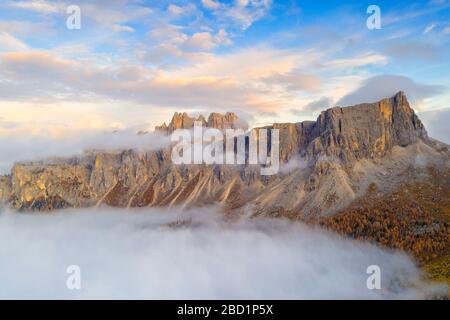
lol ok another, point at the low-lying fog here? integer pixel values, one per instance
(139, 254)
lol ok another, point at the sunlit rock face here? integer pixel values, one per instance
(228, 120)
(366, 130)
(326, 165)
(5, 188)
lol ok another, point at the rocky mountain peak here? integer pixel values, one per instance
(366, 130)
(228, 120)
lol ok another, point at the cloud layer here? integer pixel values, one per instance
(383, 86)
(125, 254)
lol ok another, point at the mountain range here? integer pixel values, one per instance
(369, 171)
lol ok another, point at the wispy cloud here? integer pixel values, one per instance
(122, 28)
(382, 86)
(242, 12)
(315, 106)
(36, 5)
(9, 42)
(413, 50)
(211, 4)
(429, 28)
(295, 80)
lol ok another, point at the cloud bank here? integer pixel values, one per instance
(382, 86)
(436, 123)
(124, 254)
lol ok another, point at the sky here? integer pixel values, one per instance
(133, 63)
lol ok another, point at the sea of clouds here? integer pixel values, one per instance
(143, 254)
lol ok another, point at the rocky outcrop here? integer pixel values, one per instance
(5, 188)
(227, 121)
(366, 130)
(179, 121)
(325, 167)
(215, 120)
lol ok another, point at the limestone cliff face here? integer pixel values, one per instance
(363, 131)
(179, 121)
(366, 130)
(227, 121)
(5, 188)
(124, 179)
(322, 167)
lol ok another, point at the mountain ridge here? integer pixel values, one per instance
(229, 120)
(324, 157)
